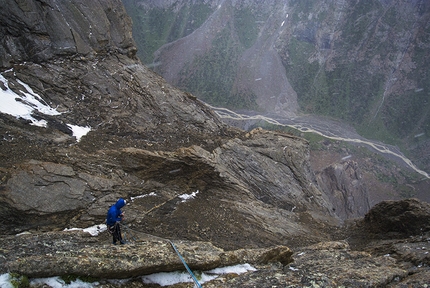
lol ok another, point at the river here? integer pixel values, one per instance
(325, 127)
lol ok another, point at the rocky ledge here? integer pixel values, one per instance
(360, 255)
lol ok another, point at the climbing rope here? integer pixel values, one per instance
(129, 231)
(186, 266)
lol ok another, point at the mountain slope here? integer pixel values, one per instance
(185, 174)
(143, 136)
(364, 62)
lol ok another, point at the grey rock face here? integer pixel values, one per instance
(37, 31)
(344, 186)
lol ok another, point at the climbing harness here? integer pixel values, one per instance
(130, 232)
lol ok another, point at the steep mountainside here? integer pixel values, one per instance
(83, 122)
(364, 62)
(144, 136)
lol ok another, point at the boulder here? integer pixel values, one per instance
(404, 217)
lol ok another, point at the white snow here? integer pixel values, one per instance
(171, 278)
(162, 279)
(186, 197)
(238, 269)
(57, 282)
(143, 196)
(24, 103)
(54, 282)
(21, 106)
(5, 281)
(346, 157)
(93, 230)
(79, 131)
(166, 279)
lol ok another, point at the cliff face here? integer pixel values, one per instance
(77, 63)
(39, 31)
(364, 62)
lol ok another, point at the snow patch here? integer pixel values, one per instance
(79, 131)
(186, 197)
(237, 269)
(346, 157)
(172, 278)
(22, 106)
(143, 196)
(162, 279)
(5, 281)
(57, 282)
(93, 230)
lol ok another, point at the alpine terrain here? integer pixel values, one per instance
(83, 123)
(347, 69)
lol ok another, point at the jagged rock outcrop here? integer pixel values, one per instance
(37, 31)
(343, 184)
(251, 191)
(408, 217)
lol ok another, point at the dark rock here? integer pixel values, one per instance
(37, 31)
(406, 217)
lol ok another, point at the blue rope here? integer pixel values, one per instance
(186, 266)
(176, 250)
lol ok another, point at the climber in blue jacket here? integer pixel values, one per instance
(114, 216)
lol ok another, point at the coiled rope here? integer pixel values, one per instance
(129, 231)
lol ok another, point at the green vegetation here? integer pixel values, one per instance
(246, 28)
(360, 20)
(19, 281)
(189, 18)
(155, 27)
(212, 75)
(346, 92)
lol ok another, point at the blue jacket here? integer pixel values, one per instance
(114, 212)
